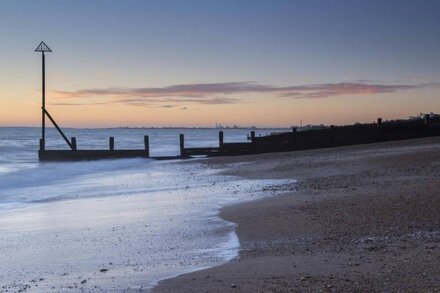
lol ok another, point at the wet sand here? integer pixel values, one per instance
(360, 218)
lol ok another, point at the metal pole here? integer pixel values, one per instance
(43, 112)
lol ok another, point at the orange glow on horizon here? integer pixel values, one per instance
(264, 111)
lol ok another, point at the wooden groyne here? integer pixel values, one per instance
(74, 154)
(335, 136)
(332, 136)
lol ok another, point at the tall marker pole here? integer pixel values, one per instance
(43, 48)
(43, 101)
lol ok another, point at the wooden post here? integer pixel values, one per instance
(291, 137)
(112, 143)
(182, 145)
(426, 119)
(42, 146)
(73, 142)
(254, 146)
(220, 139)
(147, 145)
(379, 121)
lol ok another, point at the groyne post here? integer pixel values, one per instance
(220, 140)
(147, 145)
(254, 146)
(292, 134)
(426, 119)
(42, 145)
(73, 142)
(112, 143)
(182, 144)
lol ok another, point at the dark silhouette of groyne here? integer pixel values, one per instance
(295, 140)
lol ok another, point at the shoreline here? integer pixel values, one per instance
(361, 217)
(95, 234)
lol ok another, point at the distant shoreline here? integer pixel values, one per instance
(131, 128)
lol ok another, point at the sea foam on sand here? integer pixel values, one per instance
(113, 225)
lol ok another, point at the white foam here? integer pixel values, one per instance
(151, 220)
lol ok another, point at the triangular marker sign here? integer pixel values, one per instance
(42, 47)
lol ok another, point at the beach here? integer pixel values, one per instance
(220, 146)
(359, 218)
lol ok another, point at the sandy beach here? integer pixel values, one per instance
(360, 218)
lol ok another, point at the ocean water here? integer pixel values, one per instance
(113, 224)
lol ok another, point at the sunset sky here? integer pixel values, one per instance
(197, 63)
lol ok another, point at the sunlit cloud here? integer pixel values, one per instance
(337, 89)
(77, 104)
(219, 93)
(171, 102)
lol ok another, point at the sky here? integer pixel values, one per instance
(198, 63)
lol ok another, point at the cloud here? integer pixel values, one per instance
(174, 102)
(182, 90)
(77, 104)
(219, 93)
(337, 89)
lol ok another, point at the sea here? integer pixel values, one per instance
(115, 225)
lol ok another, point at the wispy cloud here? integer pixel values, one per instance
(220, 93)
(171, 102)
(337, 89)
(76, 104)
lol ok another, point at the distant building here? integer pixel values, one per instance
(422, 116)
